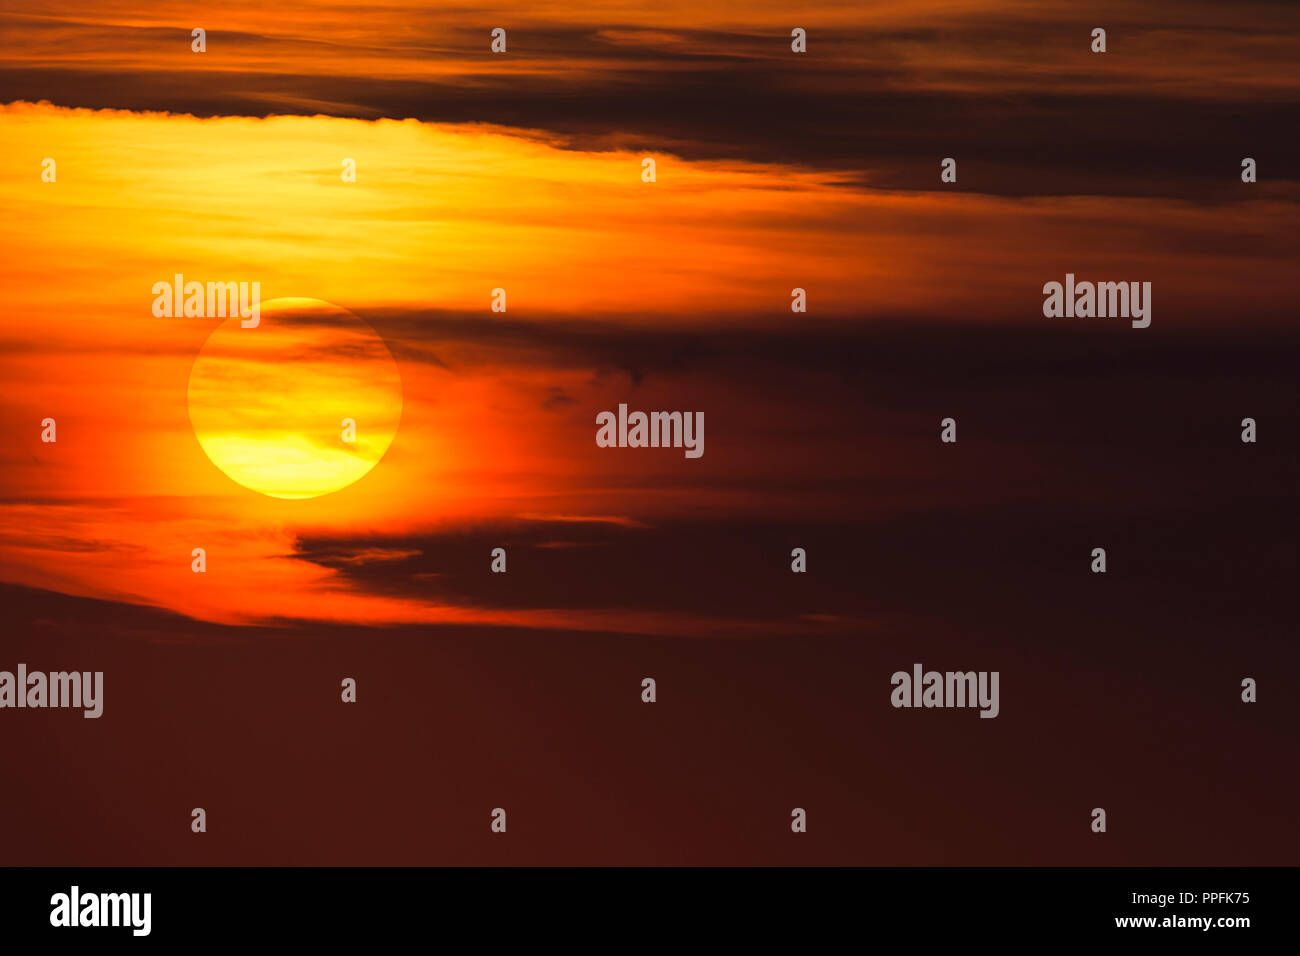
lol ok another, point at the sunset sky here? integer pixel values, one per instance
(522, 171)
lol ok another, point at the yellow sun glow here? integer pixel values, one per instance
(303, 404)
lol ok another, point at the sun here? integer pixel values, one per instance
(303, 404)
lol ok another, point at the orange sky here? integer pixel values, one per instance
(497, 422)
(439, 217)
